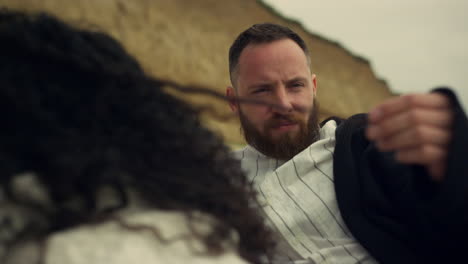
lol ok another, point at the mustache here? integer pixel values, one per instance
(280, 119)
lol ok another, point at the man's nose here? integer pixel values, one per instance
(282, 101)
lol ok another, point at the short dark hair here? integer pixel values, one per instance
(258, 34)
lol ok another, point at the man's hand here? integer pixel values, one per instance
(417, 127)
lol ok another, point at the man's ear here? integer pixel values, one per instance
(231, 94)
(314, 84)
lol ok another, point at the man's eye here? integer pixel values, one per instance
(298, 84)
(260, 90)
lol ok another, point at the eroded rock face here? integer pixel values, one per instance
(188, 42)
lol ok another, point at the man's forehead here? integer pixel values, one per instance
(265, 58)
(258, 54)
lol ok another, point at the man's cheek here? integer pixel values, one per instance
(304, 118)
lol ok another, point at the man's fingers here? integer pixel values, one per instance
(423, 155)
(414, 137)
(404, 120)
(403, 103)
(416, 127)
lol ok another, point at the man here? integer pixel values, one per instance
(383, 187)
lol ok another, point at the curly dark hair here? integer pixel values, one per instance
(78, 111)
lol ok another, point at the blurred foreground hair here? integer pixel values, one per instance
(79, 113)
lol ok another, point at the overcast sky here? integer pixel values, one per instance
(414, 45)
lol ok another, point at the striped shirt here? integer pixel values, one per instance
(298, 198)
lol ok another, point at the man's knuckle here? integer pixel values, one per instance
(386, 127)
(384, 109)
(422, 134)
(425, 151)
(414, 116)
(412, 100)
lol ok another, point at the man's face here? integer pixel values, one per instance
(277, 73)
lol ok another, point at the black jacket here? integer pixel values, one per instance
(395, 211)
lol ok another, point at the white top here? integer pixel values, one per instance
(111, 243)
(298, 197)
(135, 234)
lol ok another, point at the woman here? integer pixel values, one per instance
(99, 165)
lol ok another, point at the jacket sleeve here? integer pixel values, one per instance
(395, 210)
(447, 208)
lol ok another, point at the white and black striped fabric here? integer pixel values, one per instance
(298, 198)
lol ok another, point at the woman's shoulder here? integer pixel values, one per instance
(154, 236)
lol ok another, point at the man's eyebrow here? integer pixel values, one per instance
(297, 79)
